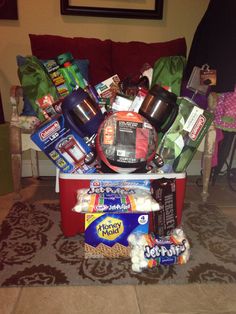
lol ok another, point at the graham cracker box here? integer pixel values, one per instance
(106, 234)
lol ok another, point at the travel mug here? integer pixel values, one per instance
(159, 107)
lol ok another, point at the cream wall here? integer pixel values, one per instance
(180, 19)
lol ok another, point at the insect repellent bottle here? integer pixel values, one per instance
(71, 72)
(58, 79)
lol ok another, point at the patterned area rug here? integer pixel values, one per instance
(34, 252)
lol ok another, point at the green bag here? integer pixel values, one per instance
(179, 144)
(36, 83)
(168, 72)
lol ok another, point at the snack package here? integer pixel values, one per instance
(149, 251)
(113, 210)
(109, 88)
(106, 234)
(164, 192)
(144, 184)
(114, 199)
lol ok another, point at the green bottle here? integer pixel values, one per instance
(71, 72)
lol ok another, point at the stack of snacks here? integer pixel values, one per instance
(113, 210)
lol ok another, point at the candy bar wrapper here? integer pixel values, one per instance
(149, 251)
(164, 192)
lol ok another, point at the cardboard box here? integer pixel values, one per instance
(106, 234)
(64, 147)
(108, 88)
(164, 192)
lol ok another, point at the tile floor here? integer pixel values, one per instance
(163, 299)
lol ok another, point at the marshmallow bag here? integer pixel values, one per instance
(150, 251)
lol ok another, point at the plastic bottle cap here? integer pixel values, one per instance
(67, 64)
(61, 59)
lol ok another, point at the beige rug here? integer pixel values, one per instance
(34, 252)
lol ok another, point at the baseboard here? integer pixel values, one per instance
(194, 168)
(46, 168)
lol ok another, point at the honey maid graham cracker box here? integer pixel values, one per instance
(106, 233)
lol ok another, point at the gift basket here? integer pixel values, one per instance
(121, 149)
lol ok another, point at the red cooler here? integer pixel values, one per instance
(73, 222)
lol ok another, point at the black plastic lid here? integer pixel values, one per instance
(163, 94)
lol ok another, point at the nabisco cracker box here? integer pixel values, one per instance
(179, 144)
(66, 149)
(106, 233)
(108, 88)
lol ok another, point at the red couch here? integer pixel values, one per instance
(106, 57)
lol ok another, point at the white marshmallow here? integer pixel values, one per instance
(135, 260)
(136, 268)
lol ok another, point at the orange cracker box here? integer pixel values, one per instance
(109, 88)
(106, 233)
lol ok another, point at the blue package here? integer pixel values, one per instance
(64, 147)
(165, 252)
(131, 184)
(106, 234)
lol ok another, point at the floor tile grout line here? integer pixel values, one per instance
(137, 300)
(17, 301)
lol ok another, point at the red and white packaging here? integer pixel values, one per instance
(72, 222)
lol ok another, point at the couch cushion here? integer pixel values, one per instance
(97, 51)
(83, 65)
(50, 46)
(129, 57)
